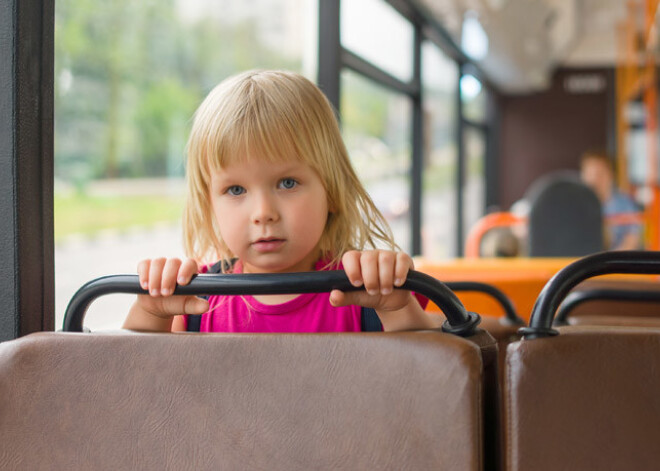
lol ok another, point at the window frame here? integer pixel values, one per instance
(333, 57)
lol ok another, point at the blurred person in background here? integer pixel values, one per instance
(623, 230)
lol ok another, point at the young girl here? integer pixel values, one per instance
(271, 190)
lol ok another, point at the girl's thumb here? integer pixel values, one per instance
(195, 305)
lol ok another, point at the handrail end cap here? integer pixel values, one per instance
(463, 330)
(530, 333)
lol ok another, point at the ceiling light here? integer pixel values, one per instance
(474, 40)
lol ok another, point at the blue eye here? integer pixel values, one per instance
(235, 190)
(288, 183)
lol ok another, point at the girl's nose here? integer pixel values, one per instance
(264, 209)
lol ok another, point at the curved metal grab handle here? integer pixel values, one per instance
(555, 290)
(459, 321)
(576, 298)
(509, 310)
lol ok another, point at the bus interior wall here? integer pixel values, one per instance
(546, 131)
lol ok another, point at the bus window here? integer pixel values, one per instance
(128, 76)
(387, 42)
(474, 141)
(439, 81)
(376, 130)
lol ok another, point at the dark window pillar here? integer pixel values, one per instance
(460, 166)
(26, 159)
(417, 148)
(329, 60)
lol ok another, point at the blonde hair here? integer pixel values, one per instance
(278, 115)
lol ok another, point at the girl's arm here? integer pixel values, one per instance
(380, 271)
(156, 311)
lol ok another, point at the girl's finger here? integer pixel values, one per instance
(186, 271)
(195, 305)
(174, 305)
(351, 263)
(337, 298)
(369, 268)
(386, 266)
(143, 273)
(403, 265)
(168, 278)
(358, 298)
(155, 275)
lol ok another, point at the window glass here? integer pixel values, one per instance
(473, 96)
(439, 81)
(376, 129)
(128, 76)
(474, 140)
(376, 32)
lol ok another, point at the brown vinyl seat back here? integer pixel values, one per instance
(627, 320)
(502, 331)
(612, 302)
(588, 398)
(221, 401)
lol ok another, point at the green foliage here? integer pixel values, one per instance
(129, 75)
(364, 109)
(160, 112)
(81, 214)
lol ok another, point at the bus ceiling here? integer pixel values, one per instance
(525, 41)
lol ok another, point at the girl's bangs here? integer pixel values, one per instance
(253, 136)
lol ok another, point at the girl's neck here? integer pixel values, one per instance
(309, 263)
(272, 299)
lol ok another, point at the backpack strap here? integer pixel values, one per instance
(369, 320)
(194, 321)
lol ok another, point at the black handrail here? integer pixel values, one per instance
(510, 315)
(555, 290)
(575, 298)
(459, 321)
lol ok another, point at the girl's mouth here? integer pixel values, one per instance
(267, 245)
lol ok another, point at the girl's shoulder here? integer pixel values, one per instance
(325, 264)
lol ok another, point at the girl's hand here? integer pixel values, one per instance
(379, 271)
(160, 276)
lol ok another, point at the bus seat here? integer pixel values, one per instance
(220, 401)
(639, 321)
(503, 332)
(608, 306)
(502, 327)
(585, 399)
(565, 217)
